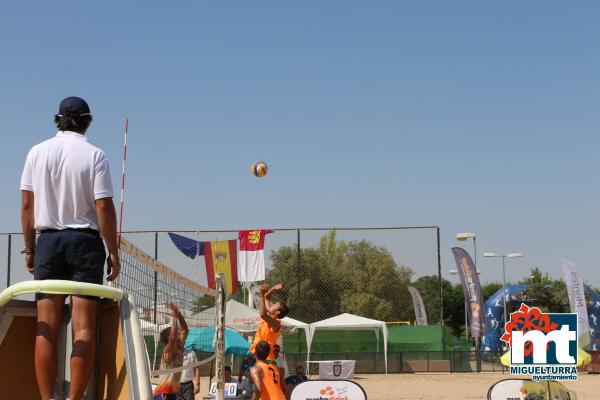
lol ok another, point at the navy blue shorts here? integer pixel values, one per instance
(70, 254)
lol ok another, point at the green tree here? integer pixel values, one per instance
(547, 293)
(489, 289)
(202, 303)
(378, 287)
(336, 277)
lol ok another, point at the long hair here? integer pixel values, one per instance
(72, 121)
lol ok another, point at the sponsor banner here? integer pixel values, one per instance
(328, 390)
(420, 314)
(472, 290)
(521, 389)
(577, 301)
(543, 345)
(343, 369)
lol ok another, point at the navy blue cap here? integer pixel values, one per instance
(77, 105)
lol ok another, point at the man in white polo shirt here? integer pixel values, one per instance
(67, 198)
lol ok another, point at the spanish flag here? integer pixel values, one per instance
(220, 256)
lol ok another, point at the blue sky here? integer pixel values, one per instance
(475, 116)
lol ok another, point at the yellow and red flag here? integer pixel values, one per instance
(221, 257)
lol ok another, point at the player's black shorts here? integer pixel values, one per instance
(69, 254)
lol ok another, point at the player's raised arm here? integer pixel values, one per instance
(184, 330)
(273, 323)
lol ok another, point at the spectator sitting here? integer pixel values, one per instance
(228, 377)
(246, 387)
(294, 380)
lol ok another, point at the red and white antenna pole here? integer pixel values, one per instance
(123, 182)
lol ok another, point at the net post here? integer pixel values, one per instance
(8, 260)
(155, 299)
(439, 262)
(220, 339)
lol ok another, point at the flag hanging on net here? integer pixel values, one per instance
(252, 255)
(190, 247)
(221, 257)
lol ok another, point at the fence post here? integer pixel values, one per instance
(8, 261)
(155, 275)
(439, 260)
(400, 362)
(478, 353)
(298, 268)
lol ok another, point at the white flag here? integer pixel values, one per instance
(420, 314)
(251, 258)
(577, 301)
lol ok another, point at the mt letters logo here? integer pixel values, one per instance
(543, 345)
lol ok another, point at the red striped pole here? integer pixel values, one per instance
(123, 182)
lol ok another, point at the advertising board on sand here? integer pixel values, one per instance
(519, 389)
(328, 390)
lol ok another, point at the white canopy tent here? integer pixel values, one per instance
(244, 319)
(350, 322)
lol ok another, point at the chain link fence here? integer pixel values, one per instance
(325, 271)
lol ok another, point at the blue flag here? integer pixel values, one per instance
(594, 316)
(190, 247)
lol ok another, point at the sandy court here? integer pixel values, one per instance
(444, 386)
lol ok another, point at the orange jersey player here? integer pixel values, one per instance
(267, 382)
(271, 313)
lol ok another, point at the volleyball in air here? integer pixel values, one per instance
(259, 169)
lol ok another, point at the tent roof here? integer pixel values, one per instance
(242, 318)
(346, 320)
(294, 322)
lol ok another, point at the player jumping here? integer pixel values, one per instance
(270, 313)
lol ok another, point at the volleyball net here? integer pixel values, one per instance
(155, 288)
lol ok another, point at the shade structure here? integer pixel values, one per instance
(351, 322)
(244, 319)
(202, 339)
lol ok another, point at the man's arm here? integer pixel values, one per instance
(183, 326)
(269, 293)
(27, 222)
(274, 324)
(196, 380)
(107, 219)
(171, 347)
(256, 373)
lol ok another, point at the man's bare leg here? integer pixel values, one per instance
(84, 320)
(49, 319)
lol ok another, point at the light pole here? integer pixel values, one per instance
(503, 256)
(461, 237)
